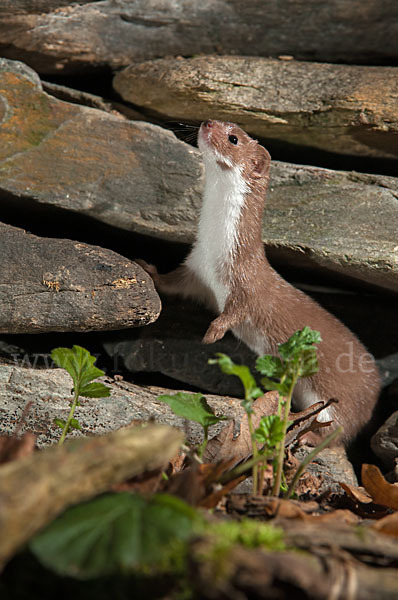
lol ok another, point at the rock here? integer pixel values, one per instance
(385, 442)
(344, 223)
(139, 177)
(69, 94)
(134, 175)
(338, 108)
(60, 285)
(67, 36)
(389, 367)
(49, 390)
(332, 465)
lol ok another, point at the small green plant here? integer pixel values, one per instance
(79, 363)
(252, 391)
(297, 358)
(195, 408)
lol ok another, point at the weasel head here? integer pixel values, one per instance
(226, 147)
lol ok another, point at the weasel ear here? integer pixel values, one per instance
(261, 163)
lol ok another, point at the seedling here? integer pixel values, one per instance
(195, 408)
(252, 391)
(297, 358)
(79, 363)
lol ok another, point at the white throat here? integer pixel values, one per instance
(217, 237)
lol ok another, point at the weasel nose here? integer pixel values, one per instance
(208, 123)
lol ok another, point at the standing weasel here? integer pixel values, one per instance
(227, 270)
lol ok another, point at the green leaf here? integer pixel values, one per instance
(271, 366)
(78, 362)
(114, 533)
(247, 406)
(74, 424)
(309, 363)
(95, 390)
(193, 407)
(60, 422)
(270, 431)
(228, 367)
(303, 339)
(282, 388)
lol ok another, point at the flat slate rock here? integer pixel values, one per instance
(49, 391)
(60, 285)
(385, 443)
(132, 175)
(338, 108)
(67, 36)
(139, 177)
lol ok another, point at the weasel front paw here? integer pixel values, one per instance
(150, 269)
(215, 332)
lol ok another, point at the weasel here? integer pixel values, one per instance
(227, 269)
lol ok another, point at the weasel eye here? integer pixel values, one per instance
(233, 139)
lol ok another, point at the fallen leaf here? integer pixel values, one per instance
(359, 494)
(14, 446)
(387, 525)
(382, 492)
(342, 515)
(145, 483)
(214, 498)
(189, 484)
(224, 445)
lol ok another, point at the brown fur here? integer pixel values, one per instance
(261, 301)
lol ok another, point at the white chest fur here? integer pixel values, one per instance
(217, 238)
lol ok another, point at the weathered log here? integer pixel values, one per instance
(338, 108)
(60, 285)
(325, 571)
(68, 36)
(34, 490)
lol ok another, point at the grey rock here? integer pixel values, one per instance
(385, 442)
(49, 391)
(140, 178)
(333, 465)
(68, 94)
(339, 108)
(132, 175)
(61, 285)
(71, 37)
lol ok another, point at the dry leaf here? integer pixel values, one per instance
(387, 525)
(342, 515)
(13, 448)
(214, 498)
(382, 492)
(223, 446)
(146, 483)
(359, 494)
(189, 484)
